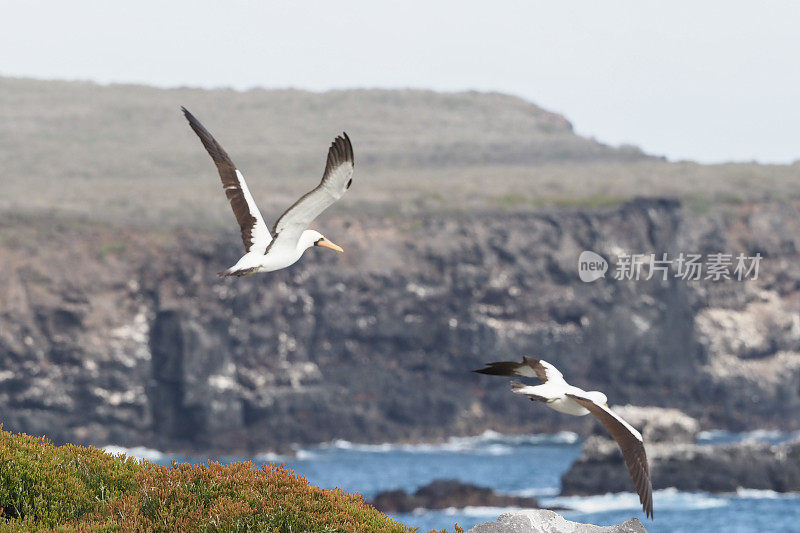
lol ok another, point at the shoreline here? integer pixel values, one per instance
(455, 444)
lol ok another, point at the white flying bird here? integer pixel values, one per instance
(265, 251)
(563, 397)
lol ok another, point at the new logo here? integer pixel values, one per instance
(591, 266)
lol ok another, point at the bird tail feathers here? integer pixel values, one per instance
(238, 273)
(530, 392)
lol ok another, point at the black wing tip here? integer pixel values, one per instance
(342, 149)
(500, 368)
(350, 154)
(193, 122)
(339, 153)
(647, 505)
(490, 370)
(212, 146)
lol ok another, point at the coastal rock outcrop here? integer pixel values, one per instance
(675, 461)
(446, 493)
(545, 521)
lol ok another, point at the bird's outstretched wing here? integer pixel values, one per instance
(336, 179)
(528, 368)
(255, 234)
(632, 446)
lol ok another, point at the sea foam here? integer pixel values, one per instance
(671, 499)
(487, 443)
(136, 452)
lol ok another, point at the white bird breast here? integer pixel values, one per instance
(568, 406)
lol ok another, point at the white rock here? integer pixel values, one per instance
(545, 521)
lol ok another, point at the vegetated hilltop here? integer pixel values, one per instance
(124, 153)
(43, 487)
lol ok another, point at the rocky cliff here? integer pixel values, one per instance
(128, 337)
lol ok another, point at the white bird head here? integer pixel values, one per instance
(311, 238)
(598, 397)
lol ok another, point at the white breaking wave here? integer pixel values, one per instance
(485, 511)
(487, 443)
(305, 455)
(761, 494)
(671, 499)
(476, 511)
(137, 452)
(150, 454)
(665, 499)
(537, 492)
(269, 457)
(713, 436)
(763, 434)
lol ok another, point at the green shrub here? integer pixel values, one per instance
(74, 488)
(47, 485)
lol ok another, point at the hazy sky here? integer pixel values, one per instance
(702, 80)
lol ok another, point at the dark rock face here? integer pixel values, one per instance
(689, 467)
(446, 493)
(144, 345)
(724, 468)
(544, 521)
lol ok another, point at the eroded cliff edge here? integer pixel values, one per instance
(128, 336)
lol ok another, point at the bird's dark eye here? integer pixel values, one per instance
(349, 182)
(316, 243)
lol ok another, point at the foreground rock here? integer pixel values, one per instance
(544, 521)
(446, 493)
(676, 461)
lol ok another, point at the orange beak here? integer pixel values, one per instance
(328, 244)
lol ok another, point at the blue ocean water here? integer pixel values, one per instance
(528, 465)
